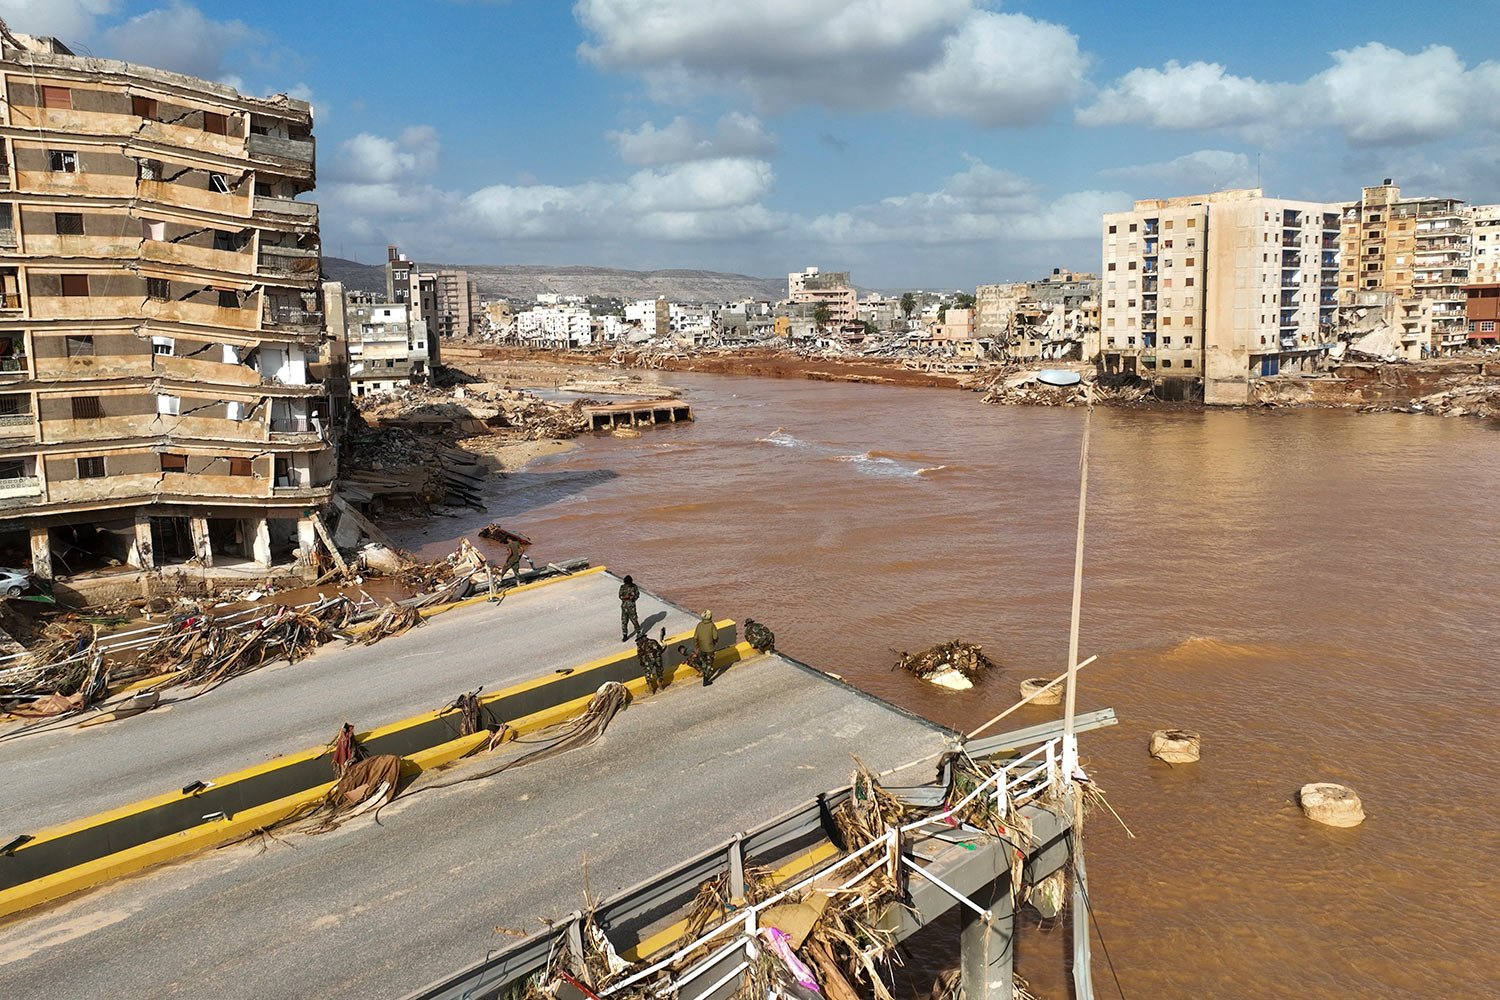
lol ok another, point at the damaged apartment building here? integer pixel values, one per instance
(164, 393)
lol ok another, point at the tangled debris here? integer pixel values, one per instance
(966, 658)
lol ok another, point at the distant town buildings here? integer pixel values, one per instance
(162, 350)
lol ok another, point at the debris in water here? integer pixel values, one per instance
(956, 665)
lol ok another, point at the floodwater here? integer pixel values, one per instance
(1314, 591)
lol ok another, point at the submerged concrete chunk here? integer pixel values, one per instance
(1333, 805)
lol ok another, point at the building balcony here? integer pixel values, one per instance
(298, 154)
(17, 490)
(286, 317)
(200, 199)
(285, 211)
(290, 262)
(236, 262)
(80, 184)
(14, 368)
(13, 425)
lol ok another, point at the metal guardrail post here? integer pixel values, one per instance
(736, 852)
(575, 942)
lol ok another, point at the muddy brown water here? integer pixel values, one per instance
(1315, 591)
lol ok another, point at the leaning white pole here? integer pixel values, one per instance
(1070, 743)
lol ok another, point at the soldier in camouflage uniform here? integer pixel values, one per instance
(512, 565)
(760, 638)
(648, 652)
(630, 619)
(705, 642)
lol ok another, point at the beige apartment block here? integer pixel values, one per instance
(1484, 245)
(832, 289)
(1216, 290)
(1416, 248)
(162, 347)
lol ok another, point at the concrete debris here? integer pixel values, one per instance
(1331, 804)
(1012, 387)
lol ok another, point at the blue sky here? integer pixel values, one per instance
(922, 143)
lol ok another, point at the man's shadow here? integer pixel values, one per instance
(650, 622)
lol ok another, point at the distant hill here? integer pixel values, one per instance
(524, 282)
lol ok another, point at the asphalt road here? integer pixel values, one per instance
(378, 910)
(67, 774)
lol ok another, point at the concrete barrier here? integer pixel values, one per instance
(86, 852)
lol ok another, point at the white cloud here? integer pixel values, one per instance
(948, 58)
(982, 204)
(734, 135)
(1372, 95)
(70, 21)
(180, 38)
(1203, 170)
(375, 159)
(1198, 95)
(1001, 69)
(704, 199)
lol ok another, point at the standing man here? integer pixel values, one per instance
(630, 620)
(513, 549)
(705, 643)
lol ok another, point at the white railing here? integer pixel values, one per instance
(1012, 785)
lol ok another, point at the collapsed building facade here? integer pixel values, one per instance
(161, 398)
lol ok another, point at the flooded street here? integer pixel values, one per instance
(1315, 591)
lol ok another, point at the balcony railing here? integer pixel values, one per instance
(16, 419)
(13, 365)
(19, 487)
(291, 316)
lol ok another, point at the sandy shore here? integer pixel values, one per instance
(512, 456)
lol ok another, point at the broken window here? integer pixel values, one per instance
(217, 182)
(87, 408)
(173, 463)
(1166, 362)
(240, 467)
(169, 406)
(57, 97)
(80, 346)
(143, 107)
(75, 284)
(91, 468)
(148, 170)
(153, 230)
(228, 241)
(68, 223)
(159, 289)
(216, 123)
(62, 161)
(228, 300)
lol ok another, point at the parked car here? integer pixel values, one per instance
(13, 581)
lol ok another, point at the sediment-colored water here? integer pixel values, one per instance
(1317, 592)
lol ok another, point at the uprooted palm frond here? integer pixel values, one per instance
(392, 620)
(965, 657)
(869, 810)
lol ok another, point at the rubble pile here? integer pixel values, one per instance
(1018, 387)
(1479, 398)
(408, 446)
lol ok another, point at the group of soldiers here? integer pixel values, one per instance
(704, 645)
(650, 651)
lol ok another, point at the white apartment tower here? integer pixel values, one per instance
(1218, 289)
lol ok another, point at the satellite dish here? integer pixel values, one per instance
(1058, 376)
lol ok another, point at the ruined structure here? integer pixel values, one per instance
(1416, 248)
(161, 395)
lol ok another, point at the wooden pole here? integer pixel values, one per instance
(1069, 738)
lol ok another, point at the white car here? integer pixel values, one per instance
(13, 581)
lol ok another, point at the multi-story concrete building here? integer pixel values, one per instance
(555, 327)
(1416, 248)
(1482, 314)
(161, 319)
(1484, 244)
(456, 306)
(387, 348)
(832, 289)
(652, 317)
(1216, 289)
